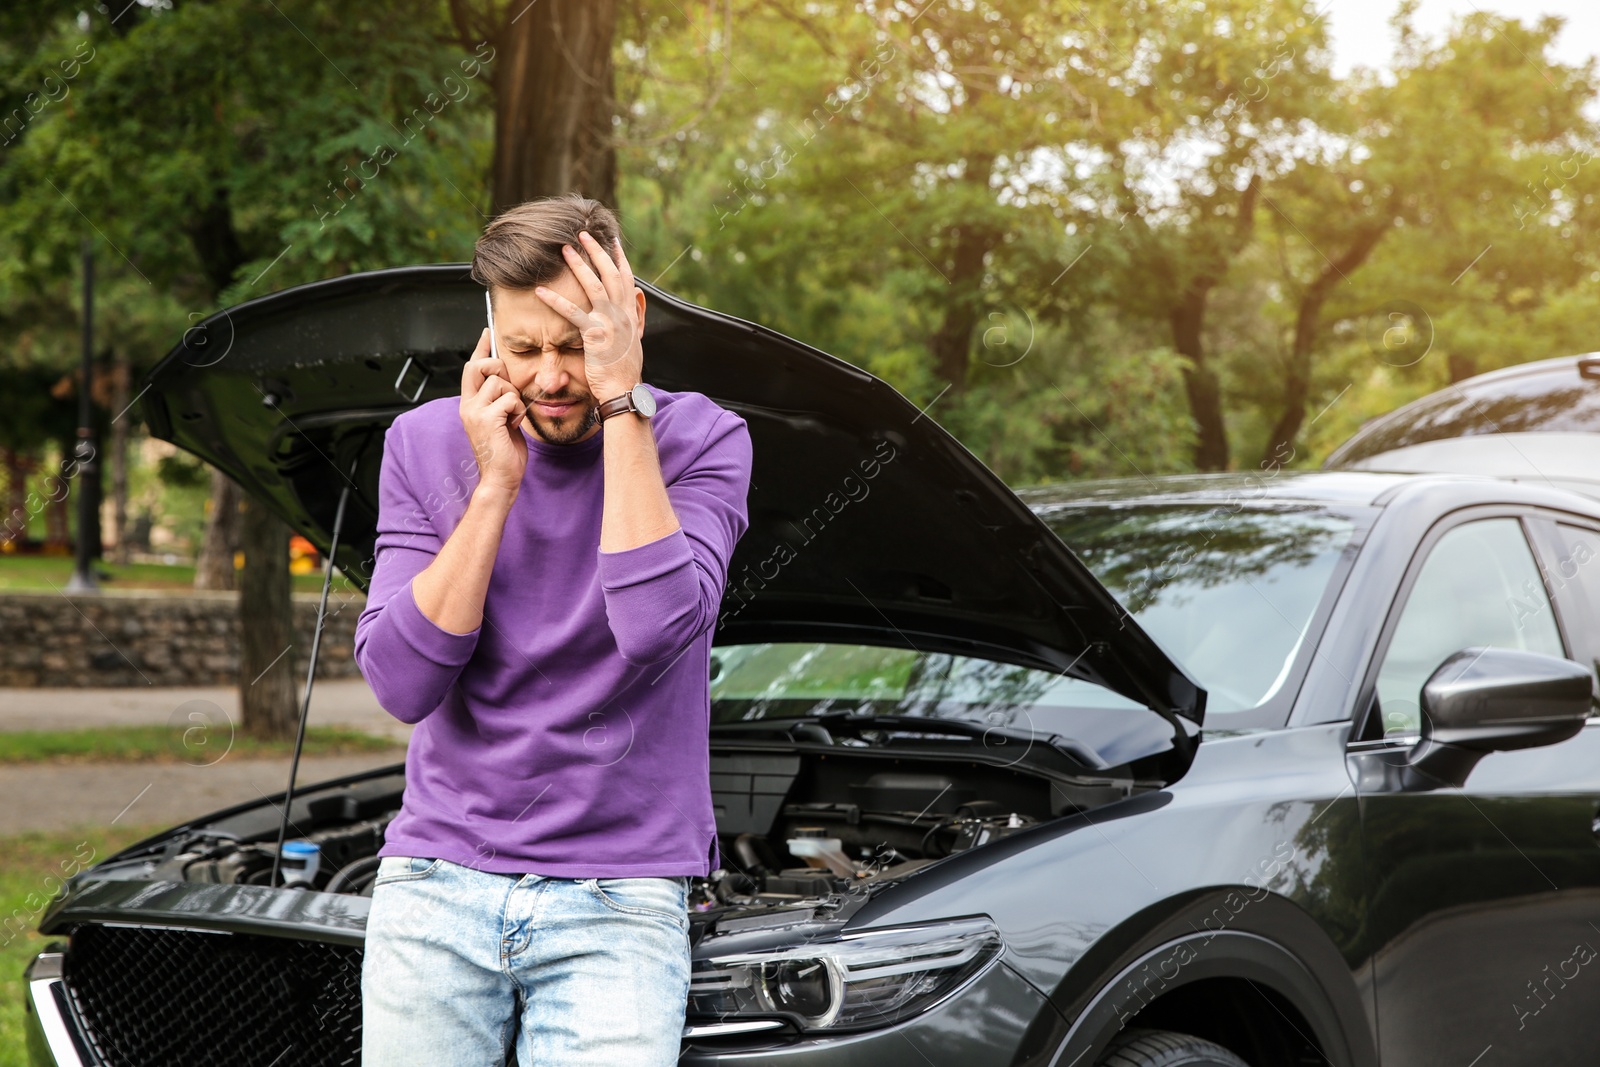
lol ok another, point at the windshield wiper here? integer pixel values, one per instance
(820, 728)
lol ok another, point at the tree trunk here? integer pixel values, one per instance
(120, 374)
(18, 517)
(952, 344)
(213, 567)
(1297, 382)
(57, 533)
(266, 612)
(1188, 318)
(554, 101)
(269, 708)
(214, 240)
(216, 244)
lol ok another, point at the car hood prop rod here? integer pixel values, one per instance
(311, 671)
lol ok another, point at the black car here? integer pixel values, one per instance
(1535, 422)
(1275, 769)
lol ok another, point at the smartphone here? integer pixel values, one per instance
(488, 306)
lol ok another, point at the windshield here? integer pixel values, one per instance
(1228, 596)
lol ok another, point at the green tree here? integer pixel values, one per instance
(888, 183)
(1417, 206)
(1201, 134)
(221, 150)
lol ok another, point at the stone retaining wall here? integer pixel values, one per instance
(154, 638)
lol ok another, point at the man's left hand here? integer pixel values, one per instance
(613, 356)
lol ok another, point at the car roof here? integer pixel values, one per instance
(1336, 489)
(1550, 396)
(1348, 488)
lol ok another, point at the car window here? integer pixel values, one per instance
(1479, 586)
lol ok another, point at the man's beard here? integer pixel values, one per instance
(556, 431)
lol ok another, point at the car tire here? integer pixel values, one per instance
(1163, 1048)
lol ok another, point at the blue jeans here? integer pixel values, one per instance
(599, 968)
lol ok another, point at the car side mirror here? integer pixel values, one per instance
(1483, 700)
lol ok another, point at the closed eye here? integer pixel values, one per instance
(534, 351)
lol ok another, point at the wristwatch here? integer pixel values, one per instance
(638, 399)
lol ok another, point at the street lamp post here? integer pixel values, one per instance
(83, 579)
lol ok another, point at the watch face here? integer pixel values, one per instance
(643, 400)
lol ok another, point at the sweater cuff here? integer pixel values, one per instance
(426, 637)
(643, 563)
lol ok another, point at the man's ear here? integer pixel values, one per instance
(639, 302)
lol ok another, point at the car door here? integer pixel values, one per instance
(1484, 910)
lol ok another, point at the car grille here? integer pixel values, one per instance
(148, 996)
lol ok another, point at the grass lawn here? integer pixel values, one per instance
(164, 744)
(31, 869)
(33, 865)
(44, 573)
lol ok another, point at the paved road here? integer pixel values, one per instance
(345, 702)
(56, 796)
(59, 796)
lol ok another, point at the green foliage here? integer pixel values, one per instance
(813, 168)
(217, 151)
(1445, 159)
(181, 471)
(212, 152)
(1097, 401)
(829, 190)
(32, 413)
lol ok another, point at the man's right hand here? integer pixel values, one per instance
(492, 413)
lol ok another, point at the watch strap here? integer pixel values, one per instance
(638, 399)
(616, 405)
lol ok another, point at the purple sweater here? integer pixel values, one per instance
(568, 734)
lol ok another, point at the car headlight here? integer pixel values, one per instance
(872, 978)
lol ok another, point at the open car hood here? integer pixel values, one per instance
(291, 393)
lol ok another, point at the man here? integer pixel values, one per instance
(550, 564)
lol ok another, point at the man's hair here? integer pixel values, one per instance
(521, 247)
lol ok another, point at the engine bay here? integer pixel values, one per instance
(793, 827)
(801, 827)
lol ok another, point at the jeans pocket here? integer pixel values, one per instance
(664, 898)
(403, 869)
